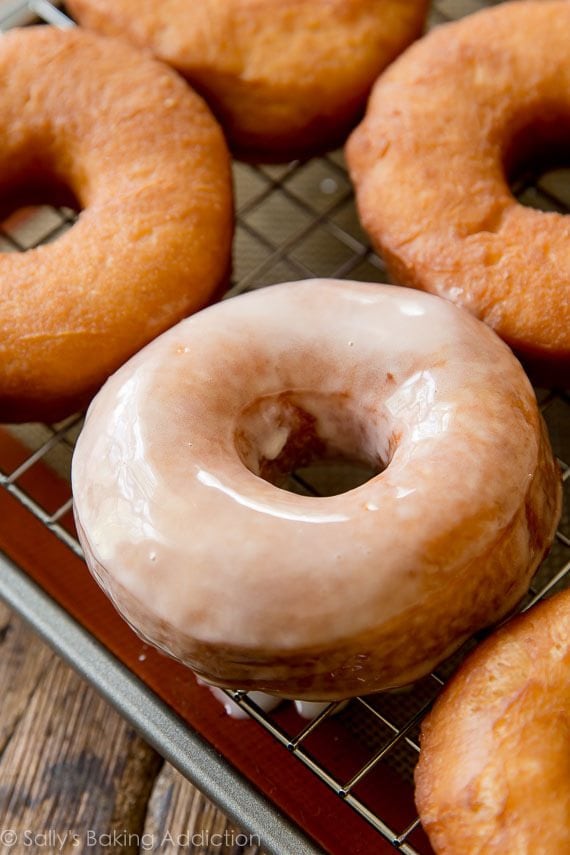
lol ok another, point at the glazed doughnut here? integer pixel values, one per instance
(149, 167)
(494, 769)
(316, 598)
(285, 77)
(445, 127)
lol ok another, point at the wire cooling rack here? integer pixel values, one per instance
(298, 221)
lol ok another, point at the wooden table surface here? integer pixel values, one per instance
(74, 777)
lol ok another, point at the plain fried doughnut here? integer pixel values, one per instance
(255, 587)
(494, 769)
(285, 77)
(445, 125)
(148, 164)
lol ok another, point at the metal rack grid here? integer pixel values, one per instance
(297, 221)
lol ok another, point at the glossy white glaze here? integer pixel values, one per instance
(267, 703)
(186, 538)
(308, 710)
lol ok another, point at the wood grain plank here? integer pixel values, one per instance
(23, 660)
(70, 765)
(181, 819)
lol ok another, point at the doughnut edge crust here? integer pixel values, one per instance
(493, 773)
(149, 166)
(442, 215)
(286, 79)
(306, 597)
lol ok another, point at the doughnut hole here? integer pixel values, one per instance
(29, 195)
(308, 442)
(538, 146)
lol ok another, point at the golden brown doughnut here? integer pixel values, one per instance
(445, 125)
(149, 167)
(317, 598)
(493, 776)
(285, 77)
